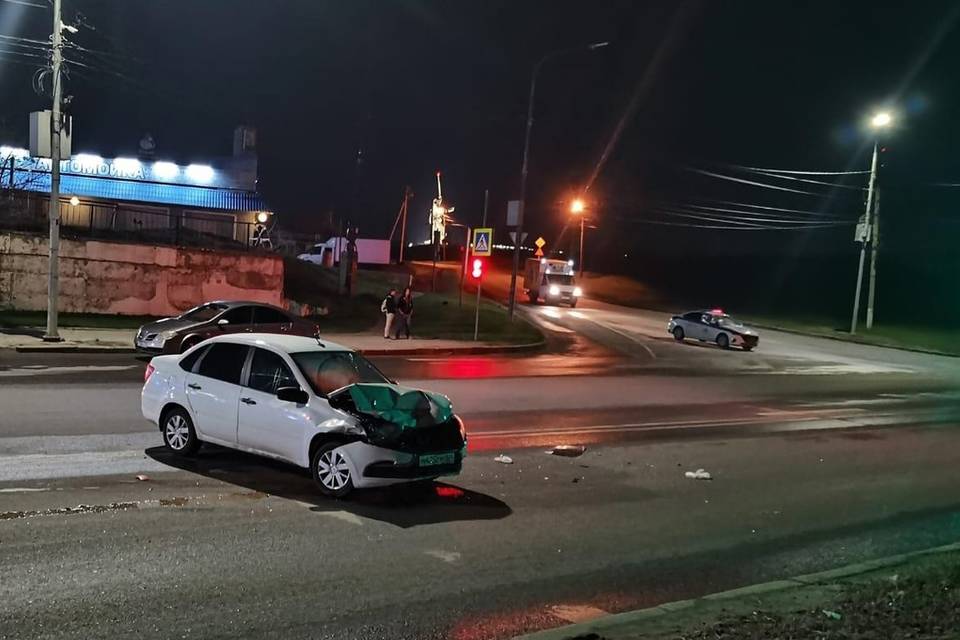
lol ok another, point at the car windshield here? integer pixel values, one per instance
(327, 371)
(203, 313)
(559, 278)
(727, 321)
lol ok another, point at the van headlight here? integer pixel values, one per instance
(577, 292)
(554, 290)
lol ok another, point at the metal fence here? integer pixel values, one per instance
(151, 225)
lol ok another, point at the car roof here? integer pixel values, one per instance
(238, 303)
(285, 343)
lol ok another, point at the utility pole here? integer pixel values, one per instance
(476, 312)
(580, 255)
(874, 250)
(53, 267)
(407, 194)
(863, 245)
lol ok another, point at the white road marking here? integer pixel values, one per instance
(24, 489)
(28, 370)
(346, 516)
(447, 556)
(577, 613)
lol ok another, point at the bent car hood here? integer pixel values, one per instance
(402, 406)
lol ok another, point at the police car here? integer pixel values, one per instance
(712, 326)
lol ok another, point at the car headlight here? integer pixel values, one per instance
(554, 290)
(577, 292)
(463, 429)
(166, 335)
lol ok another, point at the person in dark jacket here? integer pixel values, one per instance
(405, 309)
(389, 308)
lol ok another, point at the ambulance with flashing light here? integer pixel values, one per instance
(551, 280)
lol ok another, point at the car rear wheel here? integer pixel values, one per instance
(723, 341)
(532, 297)
(678, 334)
(331, 470)
(179, 435)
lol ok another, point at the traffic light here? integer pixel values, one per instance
(477, 271)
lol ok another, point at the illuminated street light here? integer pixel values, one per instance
(577, 206)
(881, 119)
(74, 201)
(262, 217)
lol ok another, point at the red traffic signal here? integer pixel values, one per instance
(477, 271)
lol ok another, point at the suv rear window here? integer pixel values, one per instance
(224, 362)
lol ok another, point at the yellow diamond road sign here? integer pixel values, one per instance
(482, 241)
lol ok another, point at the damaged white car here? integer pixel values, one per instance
(309, 402)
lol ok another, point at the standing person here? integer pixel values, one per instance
(405, 308)
(389, 308)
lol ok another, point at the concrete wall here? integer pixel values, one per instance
(109, 277)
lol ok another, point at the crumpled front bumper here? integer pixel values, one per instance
(372, 466)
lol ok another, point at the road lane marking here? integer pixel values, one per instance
(27, 371)
(24, 489)
(576, 613)
(449, 557)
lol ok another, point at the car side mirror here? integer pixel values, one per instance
(292, 394)
(223, 322)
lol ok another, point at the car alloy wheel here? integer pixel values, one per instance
(332, 471)
(723, 341)
(678, 334)
(178, 433)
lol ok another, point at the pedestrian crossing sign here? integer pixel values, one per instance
(482, 241)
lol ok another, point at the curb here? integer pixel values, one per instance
(827, 336)
(72, 348)
(477, 350)
(631, 622)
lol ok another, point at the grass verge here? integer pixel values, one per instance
(924, 338)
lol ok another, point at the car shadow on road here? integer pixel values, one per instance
(405, 505)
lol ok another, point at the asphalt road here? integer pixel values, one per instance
(822, 453)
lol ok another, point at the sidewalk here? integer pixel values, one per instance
(913, 592)
(77, 340)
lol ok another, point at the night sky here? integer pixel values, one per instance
(418, 86)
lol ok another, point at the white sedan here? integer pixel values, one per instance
(309, 402)
(712, 326)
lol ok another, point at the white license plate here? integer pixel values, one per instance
(434, 459)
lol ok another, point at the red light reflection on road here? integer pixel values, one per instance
(444, 491)
(467, 368)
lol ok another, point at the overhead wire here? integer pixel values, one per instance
(795, 172)
(752, 221)
(780, 216)
(721, 227)
(721, 176)
(809, 181)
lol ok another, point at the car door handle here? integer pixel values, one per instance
(248, 401)
(193, 385)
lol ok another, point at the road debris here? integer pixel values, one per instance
(143, 478)
(699, 474)
(833, 615)
(568, 450)
(502, 459)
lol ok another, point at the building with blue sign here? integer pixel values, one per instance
(214, 204)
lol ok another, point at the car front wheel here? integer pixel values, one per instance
(678, 334)
(331, 470)
(179, 435)
(723, 341)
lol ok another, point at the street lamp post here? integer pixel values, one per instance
(526, 156)
(879, 121)
(578, 208)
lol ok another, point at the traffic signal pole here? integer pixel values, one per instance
(476, 312)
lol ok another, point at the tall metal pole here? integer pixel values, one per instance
(476, 312)
(863, 245)
(874, 250)
(523, 191)
(523, 169)
(403, 229)
(580, 255)
(53, 266)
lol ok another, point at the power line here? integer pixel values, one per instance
(754, 213)
(764, 207)
(721, 176)
(799, 173)
(722, 227)
(27, 4)
(29, 40)
(809, 181)
(749, 221)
